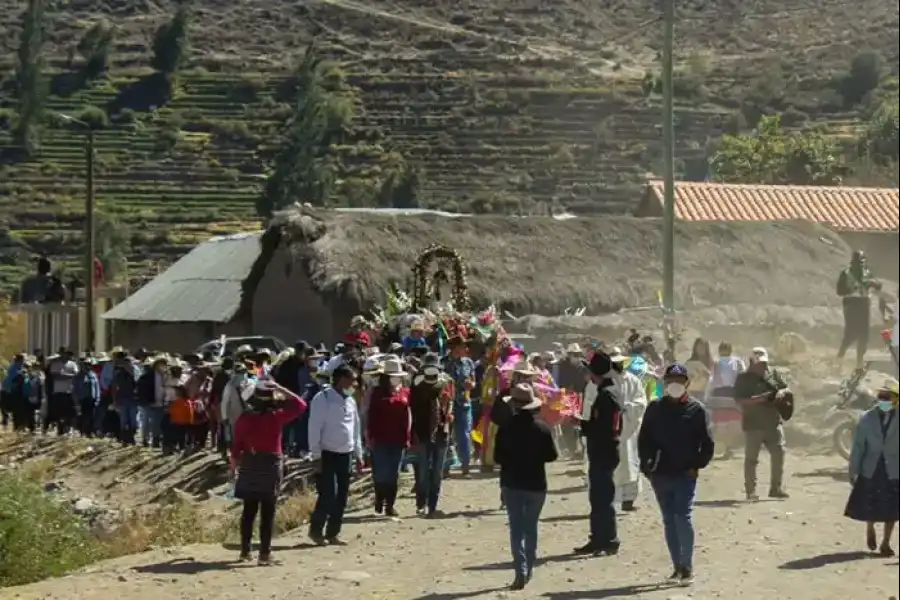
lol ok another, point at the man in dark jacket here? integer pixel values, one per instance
(601, 432)
(432, 418)
(674, 444)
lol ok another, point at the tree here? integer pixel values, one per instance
(771, 155)
(171, 44)
(94, 48)
(881, 137)
(112, 243)
(31, 83)
(306, 167)
(864, 77)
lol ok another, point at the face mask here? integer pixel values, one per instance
(347, 392)
(885, 405)
(675, 390)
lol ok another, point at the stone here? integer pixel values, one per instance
(349, 576)
(84, 505)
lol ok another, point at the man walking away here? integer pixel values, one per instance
(335, 440)
(523, 448)
(674, 444)
(854, 286)
(758, 394)
(601, 430)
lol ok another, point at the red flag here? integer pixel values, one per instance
(98, 272)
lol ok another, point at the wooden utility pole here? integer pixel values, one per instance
(89, 244)
(669, 168)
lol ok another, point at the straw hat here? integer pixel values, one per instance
(524, 368)
(523, 397)
(392, 367)
(574, 349)
(890, 386)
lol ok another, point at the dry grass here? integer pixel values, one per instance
(543, 266)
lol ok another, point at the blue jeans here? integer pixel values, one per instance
(431, 472)
(333, 487)
(128, 416)
(675, 495)
(386, 460)
(150, 419)
(524, 511)
(462, 433)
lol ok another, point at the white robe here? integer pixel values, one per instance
(633, 401)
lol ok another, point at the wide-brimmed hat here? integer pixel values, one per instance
(616, 355)
(574, 349)
(890, 386)
(358, 321)
(760, 354)
(69, 369)
(523, 397)
(431, 360)
(524, 368)
(372, 366)
(393, 367)
(600, 364)
(244, 349)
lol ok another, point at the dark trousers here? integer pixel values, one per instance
(602, 495)
(430, 474)
(60, 412)
(266, 510)
(86, 418)
(23, 414)
(6, 410)
(856, 326)
(333, 487)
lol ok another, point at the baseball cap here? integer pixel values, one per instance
(675, 370)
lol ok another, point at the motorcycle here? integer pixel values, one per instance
(853, 400)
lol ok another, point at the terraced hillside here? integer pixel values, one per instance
(497, 102)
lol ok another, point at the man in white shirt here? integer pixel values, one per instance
(335, 441)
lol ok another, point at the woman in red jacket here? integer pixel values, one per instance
(388, 432)
(256, 454)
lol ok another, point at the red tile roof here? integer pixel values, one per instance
(843, 208)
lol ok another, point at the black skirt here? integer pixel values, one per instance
(259, 476)
(875, 500)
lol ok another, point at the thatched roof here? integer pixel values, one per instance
(544, 265)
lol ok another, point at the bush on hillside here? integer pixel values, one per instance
(39, 537)
(94, 117)
(863, 78)
(94, 47)
(171, 43)
(7, 117)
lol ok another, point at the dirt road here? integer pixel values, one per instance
(799, 549)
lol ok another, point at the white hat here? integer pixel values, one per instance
(574, 349)
(70, 369)
(759, 354)
(616, 356)
(372, 366)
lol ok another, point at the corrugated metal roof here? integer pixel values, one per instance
(843, 208)
(204, 285)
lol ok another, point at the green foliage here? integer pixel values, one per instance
(39, 537)
(94, 117)
(400, 185)
(171, 44)
(94, 47)
(31, 82)
(863, 78)
(306, 168)
(881, 138)
(113, 244)
(7, 118)
(771, 155)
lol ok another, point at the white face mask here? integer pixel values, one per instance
(675, 390)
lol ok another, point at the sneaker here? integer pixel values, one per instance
(336, 541)
(779, 495)
(588, 548)
(752, 497)
(264, 560)
(391, 512)
(518, 584)
(245, 557)
(675, 577)
(317, 538)
(420, 511)
(687, 578)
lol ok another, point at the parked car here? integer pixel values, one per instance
(231, 344)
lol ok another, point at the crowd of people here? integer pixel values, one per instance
(468, 398)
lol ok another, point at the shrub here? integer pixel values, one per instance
(28, 515)
(171, 43)
(7, 117)
(864, 76)
(94, 48)
(94, 117)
